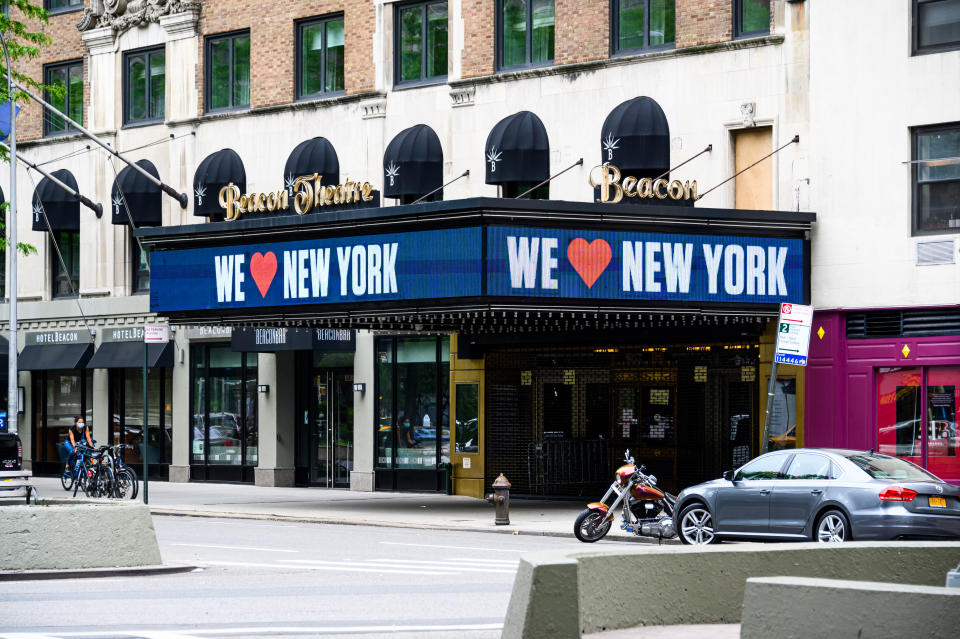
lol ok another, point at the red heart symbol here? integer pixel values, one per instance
(263, 268)
(589, 260)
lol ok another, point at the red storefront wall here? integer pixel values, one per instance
(868, 393)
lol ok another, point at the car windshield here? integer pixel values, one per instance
(884, 467)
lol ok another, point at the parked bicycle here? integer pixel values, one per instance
(101, 473)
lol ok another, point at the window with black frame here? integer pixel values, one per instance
(140, 266)
(67, 77)
(420, 42)
(224, 401)
(320, 57)
(62, 6)
(936, 179)
(65, 283)
(144, 83)
(751, 18)
(936, 26)
(525, 33)
(642, 24)
(228, 71)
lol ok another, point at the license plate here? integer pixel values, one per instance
(938, 502)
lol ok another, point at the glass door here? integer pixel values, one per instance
(332, 433)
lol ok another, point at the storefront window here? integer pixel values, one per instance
(224, 406)
(899, 413)
(60, 397)
(468, 418)
(943, 383)
(413, 386)
(126, 391)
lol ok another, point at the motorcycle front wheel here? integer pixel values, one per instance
(591, 526)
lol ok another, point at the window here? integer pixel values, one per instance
(936, 180)
(62, 6)
(642, 24)
(224, 400)
(524, 32)
(143, 86)
(126, 410)
(751, 18)
(765, 467)
(808, 466)
(228, 72)
(68, 77)
(936, 25)
(65, 284)
(421, 42)
(140, 263)
(320, 57)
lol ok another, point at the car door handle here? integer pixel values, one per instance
(764, 492)
(816, 491)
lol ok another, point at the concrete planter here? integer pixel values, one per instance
(70, 535)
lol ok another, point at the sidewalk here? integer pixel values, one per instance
(340, 506)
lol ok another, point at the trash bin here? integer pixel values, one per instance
(446, 469)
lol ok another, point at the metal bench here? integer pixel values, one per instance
(14, 481)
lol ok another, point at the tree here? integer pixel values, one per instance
(22, 43)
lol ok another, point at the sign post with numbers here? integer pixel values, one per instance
(793, 345)
(152, 334)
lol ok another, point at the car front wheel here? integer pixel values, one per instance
(832, 527)
(696, 526)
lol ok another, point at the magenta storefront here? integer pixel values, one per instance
(887, 380)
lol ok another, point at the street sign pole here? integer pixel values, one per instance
(792, 346)
(152, 334)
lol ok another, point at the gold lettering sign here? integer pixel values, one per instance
(308, 193)
(613, 190)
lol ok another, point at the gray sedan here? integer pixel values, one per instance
(823, 495)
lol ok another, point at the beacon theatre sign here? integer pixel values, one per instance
(308, 193)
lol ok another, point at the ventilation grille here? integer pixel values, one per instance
(907, 323)
(935, 252)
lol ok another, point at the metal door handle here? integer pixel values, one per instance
(764, 492)
(816, 491)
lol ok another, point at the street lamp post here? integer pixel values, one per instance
(12, 381)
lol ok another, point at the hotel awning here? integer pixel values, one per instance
(636, 138)
(413, 163)
(142, 197)
(517, 150)
(62, 209)
(130, 355)
(215, 172)
(54, 357)
(315, 155)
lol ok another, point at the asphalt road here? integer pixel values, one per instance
(279, 579)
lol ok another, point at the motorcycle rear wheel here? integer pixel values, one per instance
(591, 526)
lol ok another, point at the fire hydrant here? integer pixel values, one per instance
(501, 499)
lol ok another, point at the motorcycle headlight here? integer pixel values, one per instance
(652, 479)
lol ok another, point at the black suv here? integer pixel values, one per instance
(11, 452)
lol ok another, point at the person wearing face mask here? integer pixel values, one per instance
(407, 436)
(76, 433)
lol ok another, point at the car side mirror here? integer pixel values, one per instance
(728, 475)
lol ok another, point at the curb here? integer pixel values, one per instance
(133, 571)
(503, 530)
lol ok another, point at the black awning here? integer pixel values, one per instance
(215, 172)
(130, 355)
(131, 189)
(636, 138)
(62, 209)
(55, 357)
(413, 163)
(518, 150)
(315, 155)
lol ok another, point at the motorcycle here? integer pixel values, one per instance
(647, 510)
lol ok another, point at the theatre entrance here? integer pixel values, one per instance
(324, 447)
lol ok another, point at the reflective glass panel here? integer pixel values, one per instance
(754, 16)
(808, 466)
(468, 418)
(943, 398)
(251, 431)
(411, 42)
(542, 31)
(136, 88)
(782, 431)
(384, 424)
(631, 24)
(75, 94)
(939, 23)
(662, 22)
(898, 413)
(335, 57)
(219, 74)
(514, 24)
(241, 71)
(766, 467)
(58, 99)
(311, 59)
(157, 84)
(416, 371)
(436, 39)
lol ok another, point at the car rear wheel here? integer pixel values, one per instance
(832, 527)
(696, 526)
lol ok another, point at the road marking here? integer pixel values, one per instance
(452, 566)
(386, 563)
(242, 564)
(235, 548)
(471, 560)
(261, 631)
(400, 543)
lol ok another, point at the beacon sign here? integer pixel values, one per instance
(531, 262)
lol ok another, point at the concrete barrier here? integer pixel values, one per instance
(69, 534)
(692, 585)
(805, 608)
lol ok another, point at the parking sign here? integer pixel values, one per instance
(793, 334)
